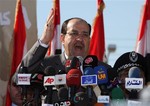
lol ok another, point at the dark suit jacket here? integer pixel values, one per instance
(35, 60)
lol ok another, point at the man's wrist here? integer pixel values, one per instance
(43, 44)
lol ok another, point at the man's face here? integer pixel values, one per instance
(76, 40)
(15, 93)
(16, 96)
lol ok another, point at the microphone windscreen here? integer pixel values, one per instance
(90, 61)
(37, 79)
(68, 63)
(23, 70)
(61, 72)
(73, 77)
(49, 71)
(80, 59)
(112, 77)
(72, 63)
(134, 72)
(117, 93)
(81, 99)
(101, 72)
(134, 82)
(63, 94)
(117, 97)
(112, 73)
(75, 63)
(88, 71)
(37, 82)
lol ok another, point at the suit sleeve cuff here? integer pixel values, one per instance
(42, 44)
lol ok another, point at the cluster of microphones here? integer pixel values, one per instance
(80, 74)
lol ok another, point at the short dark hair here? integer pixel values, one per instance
(65, 23)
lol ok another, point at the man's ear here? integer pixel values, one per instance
(62, 37)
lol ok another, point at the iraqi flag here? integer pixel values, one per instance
(143, 41)
(19, 44)
(97, 44)
(55, 45)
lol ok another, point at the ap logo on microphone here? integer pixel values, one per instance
(49, 80)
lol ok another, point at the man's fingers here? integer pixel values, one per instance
(50, 18)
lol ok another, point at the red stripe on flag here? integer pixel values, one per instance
(143, 40)
(55, 43)
(19, 42)
(97, 44)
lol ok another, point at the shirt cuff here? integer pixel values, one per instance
(43, 44)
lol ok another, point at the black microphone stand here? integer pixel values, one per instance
(24, 87)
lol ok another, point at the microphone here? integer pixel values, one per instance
(73, 79)
(61, 72)
(102, 78)
(134, 72)
(68, 64)
(80, 99)
(60, 79)
(76, 62)
(80, 59)
(117, 97)
(90, 61)
(37, 85)
(102, 81)
(88, 80)
(134, 83)
(23, 79)
(63, 94)
(112, 78)
(49, 82)
(63, 97)
(72, 63)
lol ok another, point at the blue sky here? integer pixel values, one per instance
(121, 20)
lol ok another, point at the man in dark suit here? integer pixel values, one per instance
(75, 37)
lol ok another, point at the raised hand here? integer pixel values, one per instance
(48, 32)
